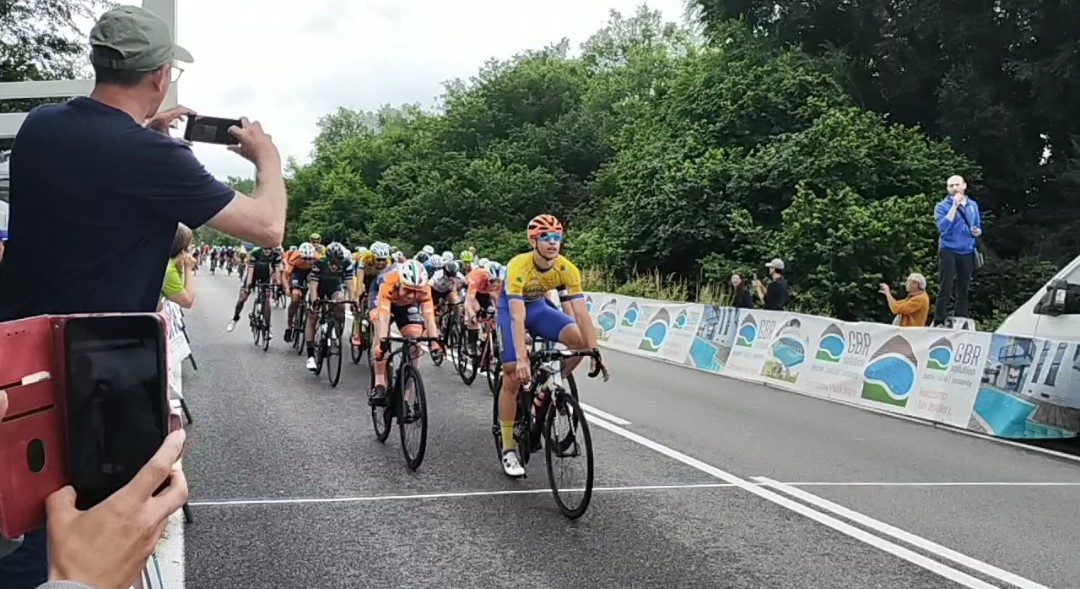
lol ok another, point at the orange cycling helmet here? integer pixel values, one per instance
(541, 224)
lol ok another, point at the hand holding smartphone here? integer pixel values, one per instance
(88, 407)
(213, 130)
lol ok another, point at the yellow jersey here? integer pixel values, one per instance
(525, 281)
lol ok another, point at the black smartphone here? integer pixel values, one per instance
(211, 130)
(117, 400)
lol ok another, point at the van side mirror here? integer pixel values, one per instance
(1061, 298)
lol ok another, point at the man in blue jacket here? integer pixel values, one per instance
(958, 222)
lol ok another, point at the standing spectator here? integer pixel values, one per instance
(740, 296)
(97, 189)
(913, 309)
(775, 297)
(958, 222)
(179, 286)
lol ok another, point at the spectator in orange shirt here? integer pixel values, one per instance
(912, 310)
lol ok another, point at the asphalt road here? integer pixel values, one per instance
(291, 489)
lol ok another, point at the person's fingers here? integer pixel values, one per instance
(183, 110)
(150, 477)
(61, 504)
(172, 498)
(245, 122)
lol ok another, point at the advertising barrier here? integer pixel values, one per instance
(990, 383)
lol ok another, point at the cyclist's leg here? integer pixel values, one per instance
(245, 290)
(555, 326)
(380, 365)
(313, 318)
(339, 310)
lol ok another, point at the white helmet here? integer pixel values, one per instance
(380, 250)
(361, 250)
(307, 250)
(399, 257)
(413, 274)
(427, 249)
(496, 271)
(483, 262)
(448, 256)
(436, 262)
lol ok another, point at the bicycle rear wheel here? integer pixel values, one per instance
(357, 352)
(412, 416)
(494, 365)
(299, 329)
(566, 437)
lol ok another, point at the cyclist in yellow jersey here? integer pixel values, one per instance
(523, 307)
(316, 240)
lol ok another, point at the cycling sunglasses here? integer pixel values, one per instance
(551, 237)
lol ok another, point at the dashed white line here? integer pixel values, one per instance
(845, 528)
(894, 532)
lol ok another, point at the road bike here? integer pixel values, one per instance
(405, 399)
(299, 323)
(259, 318)
(468, 361)
(360, 322)
(561, 441)
(280, 300)
(328, 332)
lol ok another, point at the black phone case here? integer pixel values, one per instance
(212, 130)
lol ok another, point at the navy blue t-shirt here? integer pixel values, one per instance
(95, 200)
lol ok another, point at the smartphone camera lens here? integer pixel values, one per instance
(35, 456)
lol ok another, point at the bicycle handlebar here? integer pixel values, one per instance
(413, 340)
(553, 354)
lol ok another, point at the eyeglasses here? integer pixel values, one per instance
(551, 237)
(177, 72)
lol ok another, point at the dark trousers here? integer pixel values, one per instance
(28, 566)
(954, 270)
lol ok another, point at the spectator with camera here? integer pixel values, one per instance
(98, 187)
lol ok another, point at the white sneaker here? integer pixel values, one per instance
(311, 364)
(231, 326)
(511, 465)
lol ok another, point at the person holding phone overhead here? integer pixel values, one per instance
(959, 224)
(98, 187)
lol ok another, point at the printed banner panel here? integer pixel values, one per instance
(1006, 386)
(1030, 388)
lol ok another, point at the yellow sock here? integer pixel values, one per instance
(508, 441)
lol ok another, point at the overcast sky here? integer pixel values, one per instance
(288, 64)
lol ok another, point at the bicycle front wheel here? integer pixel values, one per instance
(568, 448)
(265, 325)
(412, 416)
(333, 353)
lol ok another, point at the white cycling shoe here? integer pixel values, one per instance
(511, 465)
(311, 364)
(231, 326)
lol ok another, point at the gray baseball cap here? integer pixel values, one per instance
(135, 40)
(776, 263)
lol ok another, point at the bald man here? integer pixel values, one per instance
(958, 223)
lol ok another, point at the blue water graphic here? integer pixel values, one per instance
(680, 321)
(748, 332)
(1009, 416)
(941, 355)
(833, 344)
(630, 317)
(656, 334)
(606, 320)
(789, 351)
(895, 372)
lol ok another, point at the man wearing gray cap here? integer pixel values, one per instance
(775, 296)
(96, 192)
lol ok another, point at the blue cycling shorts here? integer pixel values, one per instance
(542, 319)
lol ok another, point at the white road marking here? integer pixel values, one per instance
(603, 414)
(882, 544)
(170, 552)
(934, 484)
(916, 541)
(448, 495)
